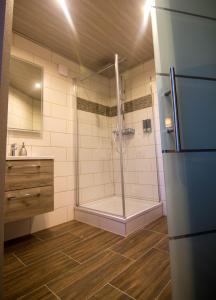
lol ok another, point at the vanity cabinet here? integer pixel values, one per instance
(29, 188)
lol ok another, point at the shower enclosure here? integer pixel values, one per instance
(117, 179)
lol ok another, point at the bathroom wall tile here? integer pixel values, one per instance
(50, 219)
(58, 153)
(64, 168)
(46, 109)
(62, 112)
(60, 184)
(71, 152)
(55, 125)
(86, 180)
(22, 54)
(61, 139)
(28, 46)
(64, 199)
(70, 212)
(54, 96)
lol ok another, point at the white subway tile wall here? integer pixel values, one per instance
(95, 144)
(97, 178)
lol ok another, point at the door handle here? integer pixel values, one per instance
(175, 110)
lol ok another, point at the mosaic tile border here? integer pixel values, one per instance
(130, 106)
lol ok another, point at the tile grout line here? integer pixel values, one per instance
(115, 252)
(39, 239)
(161, 250)
(21, 297)
(39, 260)
(52, 292)
(158, 232)
(19, 259)
(70, 257)
(121, 291)
(163, 238)
(157, 298)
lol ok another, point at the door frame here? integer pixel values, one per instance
(6, 17)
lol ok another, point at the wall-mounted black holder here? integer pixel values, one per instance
(147, 127)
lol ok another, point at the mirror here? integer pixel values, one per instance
(25, 96)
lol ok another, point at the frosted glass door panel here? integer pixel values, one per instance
(200, 7)
(197, 113)
(191, 190)
(188, 43)
(195, 256)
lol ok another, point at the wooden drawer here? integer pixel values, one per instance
(26, 203)
(28, 174)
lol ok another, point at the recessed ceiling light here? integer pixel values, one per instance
(37, 85)
(147, 9)
(66, 12)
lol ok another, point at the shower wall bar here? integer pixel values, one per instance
(120, 127)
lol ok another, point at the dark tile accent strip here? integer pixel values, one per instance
(113, 111)
(137, 104)
(130, 106)
(92, 107)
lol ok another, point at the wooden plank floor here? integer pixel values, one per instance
(78, 261)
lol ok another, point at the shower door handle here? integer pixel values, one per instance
(175, 110)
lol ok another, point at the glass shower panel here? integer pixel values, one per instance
(95, 152)
(138, 144)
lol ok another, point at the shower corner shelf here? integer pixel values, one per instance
(125, 131)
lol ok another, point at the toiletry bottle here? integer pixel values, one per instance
(23, 151)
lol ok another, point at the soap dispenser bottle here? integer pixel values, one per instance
(23, 151)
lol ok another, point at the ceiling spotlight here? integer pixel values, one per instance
(66, 12)
(37, 85)
(147, 9)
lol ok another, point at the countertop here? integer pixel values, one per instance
(28, 157)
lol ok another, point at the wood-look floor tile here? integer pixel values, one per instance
(159, 225)
(46, 248)
(20, 243)
(138, 243)
(145, 278)
(109, 292)
(26, 280)
(76, 228)
(87, 278)
(163, 244)
(42, 293)
(11, 264)
(166, 293)
(85, 249)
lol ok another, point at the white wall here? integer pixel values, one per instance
(95, 152)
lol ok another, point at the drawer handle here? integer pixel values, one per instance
(30, 166)
(31, 195)
(11, 198)
(24, 196)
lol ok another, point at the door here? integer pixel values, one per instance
(184, 35)
(6, 10)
